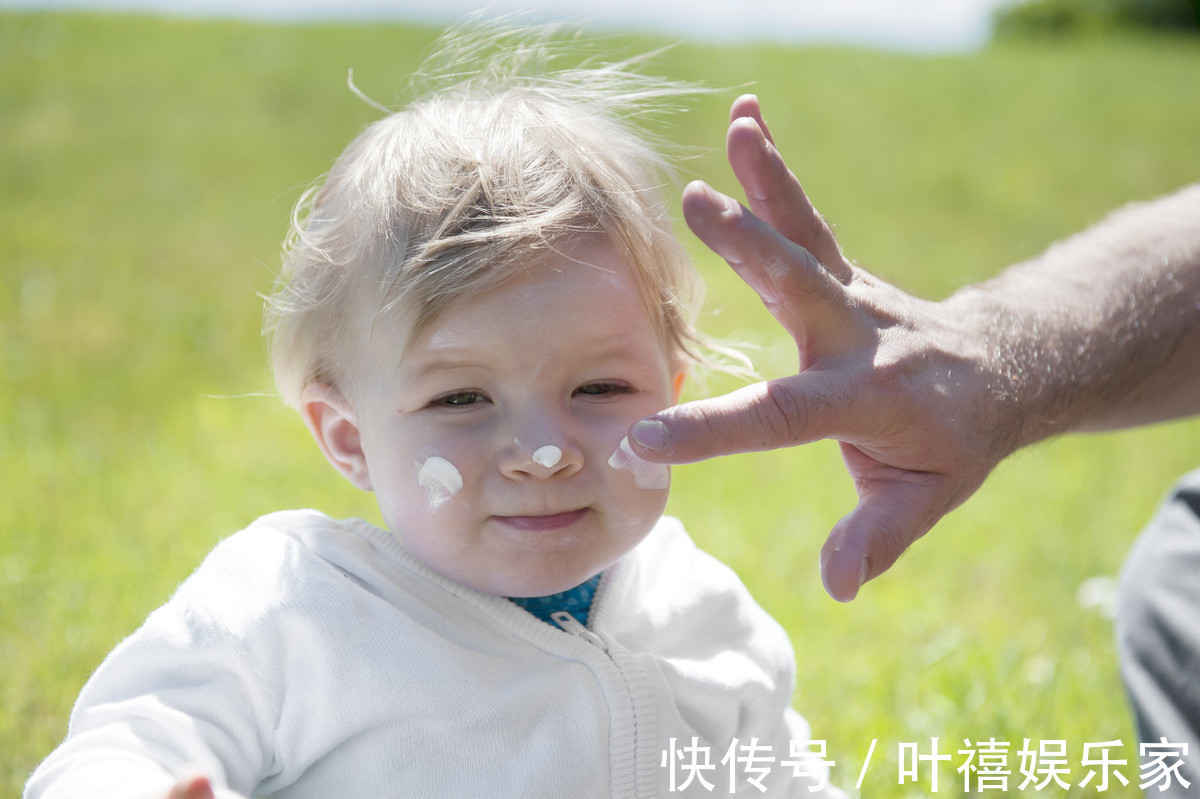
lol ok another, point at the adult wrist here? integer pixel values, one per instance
(1019, 395)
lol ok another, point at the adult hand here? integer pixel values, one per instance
(898, 381)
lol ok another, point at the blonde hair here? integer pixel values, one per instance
(453, 194)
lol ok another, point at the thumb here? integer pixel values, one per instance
(769, 415)
(889, 517)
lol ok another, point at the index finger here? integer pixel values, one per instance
(777, 413)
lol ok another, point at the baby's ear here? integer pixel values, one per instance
(677, 385)
(330, 419)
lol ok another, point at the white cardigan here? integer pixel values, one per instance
(309, 657)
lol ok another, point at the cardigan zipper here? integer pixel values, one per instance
(570, 624)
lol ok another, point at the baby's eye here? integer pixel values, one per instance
(604, 388)
(458, 399)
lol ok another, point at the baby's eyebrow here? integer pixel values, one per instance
(445, 363)
(620, 352)
(601, 351)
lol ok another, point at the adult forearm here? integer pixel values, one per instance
(1101, 331)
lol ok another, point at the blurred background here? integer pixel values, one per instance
(148, 165)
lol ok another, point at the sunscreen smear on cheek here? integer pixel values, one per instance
(651, 476)
(440, 480)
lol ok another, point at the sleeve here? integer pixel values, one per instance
(732, 670)
(179, 695)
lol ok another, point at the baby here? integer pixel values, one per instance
(477, 303)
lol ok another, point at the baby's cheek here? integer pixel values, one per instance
(440, 479)
(639, 492)
(421, 490)
(444, 472)
(646, 475)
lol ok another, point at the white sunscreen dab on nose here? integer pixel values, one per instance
(645, 474)
(440, 480)
(547, 456)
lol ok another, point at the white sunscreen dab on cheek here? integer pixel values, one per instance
(547, 456)
(440, 480)
(652, 476)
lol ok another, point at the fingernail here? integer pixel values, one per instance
(862, 572)
(650, 433)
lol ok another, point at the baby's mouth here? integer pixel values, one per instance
(540, 522)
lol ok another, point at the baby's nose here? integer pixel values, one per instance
(542, 460)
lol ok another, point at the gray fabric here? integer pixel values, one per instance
(1158, 630)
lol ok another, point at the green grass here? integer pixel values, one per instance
(148, 171)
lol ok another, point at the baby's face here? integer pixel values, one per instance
(493, 445)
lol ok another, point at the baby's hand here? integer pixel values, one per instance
(196, 786)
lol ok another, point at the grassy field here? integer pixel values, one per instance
(147, 172)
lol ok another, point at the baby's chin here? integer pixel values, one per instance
(509, 570)
(547, 585)
(563, 577)
(551, 580)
